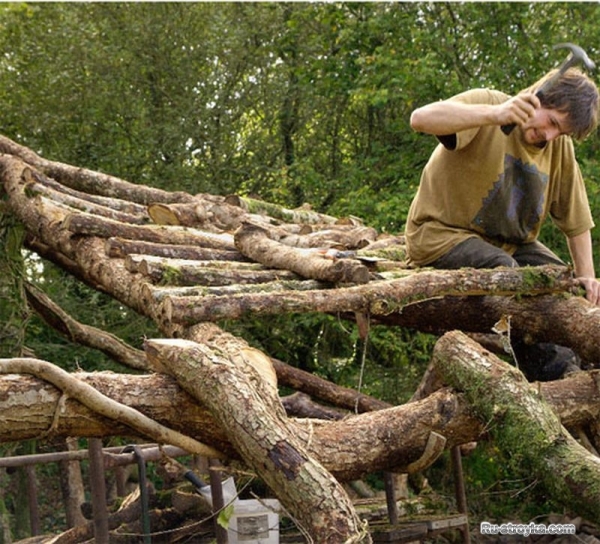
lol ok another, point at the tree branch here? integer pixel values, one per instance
(103, 405)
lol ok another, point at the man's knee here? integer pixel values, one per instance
(475, 253)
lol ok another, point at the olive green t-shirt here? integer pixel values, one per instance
(496, 187)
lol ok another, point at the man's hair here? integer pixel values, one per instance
(575, 94)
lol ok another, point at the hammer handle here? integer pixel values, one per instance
(507, 129)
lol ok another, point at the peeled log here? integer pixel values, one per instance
(257, 425)
(521, 424)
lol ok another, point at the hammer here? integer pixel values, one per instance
(577, 55)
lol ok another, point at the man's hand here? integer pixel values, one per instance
(592, 289)
(519, 109)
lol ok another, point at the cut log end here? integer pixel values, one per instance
(161, 214)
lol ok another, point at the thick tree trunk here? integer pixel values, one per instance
(349, 448)
(520, 423)
(259, 429)
(569, 321)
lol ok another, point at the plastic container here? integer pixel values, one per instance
(229, 491)
(254, 522)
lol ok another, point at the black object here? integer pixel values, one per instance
(544, 361)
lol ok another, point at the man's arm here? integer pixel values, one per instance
(580, 248)
(450, 116)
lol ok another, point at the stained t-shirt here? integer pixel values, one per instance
(494, 186)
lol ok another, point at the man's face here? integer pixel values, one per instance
(545, 126)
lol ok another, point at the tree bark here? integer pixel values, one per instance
(257, 426)
(206, 273)
(382, 300)
(302, 216)
(520, 423)
(70, 386)
(254, 242)
(121, 247)
(105, 228)
(54, 187)
(89, 181)
(566, 320)
(349, 448)
(106, 209)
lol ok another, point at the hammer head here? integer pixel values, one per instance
(578, 55)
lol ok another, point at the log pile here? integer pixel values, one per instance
(188, 261)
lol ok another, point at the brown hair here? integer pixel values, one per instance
(573, 93)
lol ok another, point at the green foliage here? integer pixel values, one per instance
(14, 312)
(225, 516)
(497, 489)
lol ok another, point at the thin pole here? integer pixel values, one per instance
(98, 491)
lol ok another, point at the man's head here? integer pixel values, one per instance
(575, 95)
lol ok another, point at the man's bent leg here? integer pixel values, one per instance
(541, 362)
(536, 254)
(475, 253)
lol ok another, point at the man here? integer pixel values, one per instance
(484, 195)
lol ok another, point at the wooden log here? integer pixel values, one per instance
(158, 293)
(316, 387)
(118, 204)
(107, 208)
(94, 209)
(570, 321)
(205, 212)
(520, 423)
(379, 299)
(105, 228)
(146, 263)
(257, 426)
(254, 242)
(89, 181)
(80, 333)
(301, 405)
(304, 216)
(184, 214)
(72, 387)
(349, 450)
(335, 236)
(121, 247)
(209, 274)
